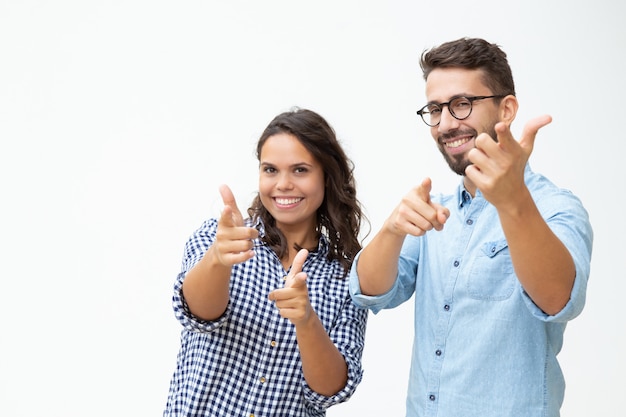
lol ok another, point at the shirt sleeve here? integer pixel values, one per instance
(195, 248)
(568, 219)
(404, 285)
(348, 335)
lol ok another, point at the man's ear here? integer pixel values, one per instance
(508, 109)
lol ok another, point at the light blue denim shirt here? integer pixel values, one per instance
(482, 347)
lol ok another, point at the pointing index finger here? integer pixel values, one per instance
(229, 201)
(423, 191)
(296, 270)
(296, 278)
(298, 261)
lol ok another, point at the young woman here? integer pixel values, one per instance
(269, 328)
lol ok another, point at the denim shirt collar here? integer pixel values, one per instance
(464, 197)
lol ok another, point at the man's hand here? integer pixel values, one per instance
(497, 168)
(416, 214)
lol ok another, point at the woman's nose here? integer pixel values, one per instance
(284, 182)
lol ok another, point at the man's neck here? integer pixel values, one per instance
(470, 187)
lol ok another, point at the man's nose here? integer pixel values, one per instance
(448, 121)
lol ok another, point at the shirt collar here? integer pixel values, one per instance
(323, 247)
(463, 196)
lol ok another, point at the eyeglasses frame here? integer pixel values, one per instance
(471, 100)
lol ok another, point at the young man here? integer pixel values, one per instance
(497, 268)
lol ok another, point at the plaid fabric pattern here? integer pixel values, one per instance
(247, 363)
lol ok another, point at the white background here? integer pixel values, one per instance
(119, 119)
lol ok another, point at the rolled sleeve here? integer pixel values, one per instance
(573, 228)
(187, 319)
(404, 284)
(322, 402)
(373, 303)
(348, 335)
(195, 248)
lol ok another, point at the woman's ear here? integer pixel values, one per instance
(508, 109)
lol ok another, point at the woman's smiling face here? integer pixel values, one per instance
(291, 182)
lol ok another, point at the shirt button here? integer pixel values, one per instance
(431, 397)
(273, 343)
(438, 352)
(285, 278)
(446, 307)
(469, 222)
(456, 263)
(262, 379)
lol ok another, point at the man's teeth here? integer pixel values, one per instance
(456, 143)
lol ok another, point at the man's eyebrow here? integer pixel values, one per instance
(450, 99)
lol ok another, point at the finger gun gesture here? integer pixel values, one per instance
(292, 301)
(233, 241)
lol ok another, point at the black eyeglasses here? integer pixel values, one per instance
(460, 108)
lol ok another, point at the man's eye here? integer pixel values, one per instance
(462, 105)
(434, 110)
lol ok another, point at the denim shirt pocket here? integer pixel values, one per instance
(491, 276)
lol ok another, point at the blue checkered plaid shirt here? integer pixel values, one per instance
(247, 363)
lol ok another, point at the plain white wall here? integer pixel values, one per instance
(119, 119)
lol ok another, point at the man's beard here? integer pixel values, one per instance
(459, 162)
